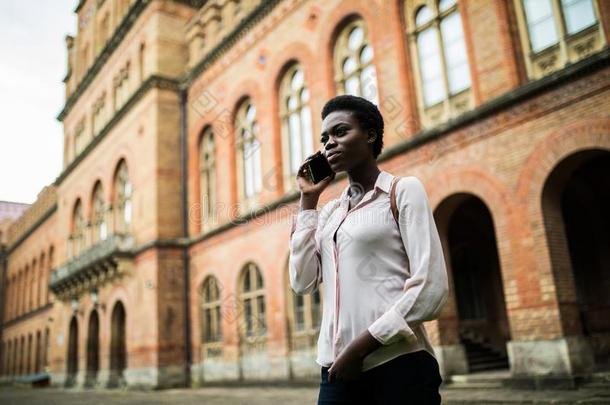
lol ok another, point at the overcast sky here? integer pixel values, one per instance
(32, 66)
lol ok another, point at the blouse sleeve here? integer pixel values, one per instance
(305, 262)
(426, 289)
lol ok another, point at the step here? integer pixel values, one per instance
(488, 366)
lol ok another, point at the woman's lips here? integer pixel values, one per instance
(334, 157)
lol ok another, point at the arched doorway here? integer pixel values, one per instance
(477, 280)
(118, 346)
(93, 349)
(575, 201)
(72, 353)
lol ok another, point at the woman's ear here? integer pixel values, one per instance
(372, 136)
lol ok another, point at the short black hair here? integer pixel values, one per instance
(366, 113)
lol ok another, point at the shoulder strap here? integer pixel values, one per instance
(393, 206)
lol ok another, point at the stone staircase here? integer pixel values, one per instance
(481, 355)
(481, 380)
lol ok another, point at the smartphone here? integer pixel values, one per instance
(319, 168)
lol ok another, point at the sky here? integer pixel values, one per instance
(32, 66)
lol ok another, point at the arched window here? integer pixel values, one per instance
(249, 150)
(304, 317)
(441, 51)
(33, 286)
(25, 280)
(252, 297)
(555, 31)
(78, 229)
(353, 60)
(42, 274)
(49, 271)
(296, 121)
(210, 311)
(7, 305)
(122, 199)
(437, 42)
(207, 177)
(99, 214)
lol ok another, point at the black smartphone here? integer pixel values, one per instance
(319, 168)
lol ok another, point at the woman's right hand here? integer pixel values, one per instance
(306, 185)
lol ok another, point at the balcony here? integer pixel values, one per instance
(99, 264)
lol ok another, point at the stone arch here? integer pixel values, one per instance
(118, 344)
(93, 348)
(72, 352)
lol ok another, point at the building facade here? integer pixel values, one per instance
(159, 256)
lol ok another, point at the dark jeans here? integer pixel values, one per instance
(411, 378)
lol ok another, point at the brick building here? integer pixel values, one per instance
(159, 255)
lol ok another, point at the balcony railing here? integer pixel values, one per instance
(106, 260)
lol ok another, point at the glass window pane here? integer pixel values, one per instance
(434, 91)
(369, 84)
(455, 53)
(459, 78)
(262, 324)
(431, 68)
(127, 212)
(543, 34)
(427, 43)
(423, 15)
(458, 74)
(248, 316)
(307, 134)
(445, 4)
(257, 165)
(248, 179)
(536, 10)
(451, 28)
(355, 38)
(297, 80)
(295, 141)
(293, 103)
(352, 86)
(218, 324)
(366, 55)
(578, 14)
(349, 66)
(304, 96)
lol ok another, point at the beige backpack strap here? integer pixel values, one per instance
(393, 206)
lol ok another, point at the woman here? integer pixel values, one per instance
(382, 279)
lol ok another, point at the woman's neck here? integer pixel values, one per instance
(364, 175)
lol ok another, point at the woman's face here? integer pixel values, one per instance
(344, 143)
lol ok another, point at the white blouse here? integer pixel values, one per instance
(375, 276)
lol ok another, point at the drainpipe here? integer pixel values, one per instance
(185, 233)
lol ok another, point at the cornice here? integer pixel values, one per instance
(27, 315)
(153, 82)
(113, 43)
(264, 8)
(32, 228)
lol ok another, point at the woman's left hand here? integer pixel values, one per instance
(348, 365)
